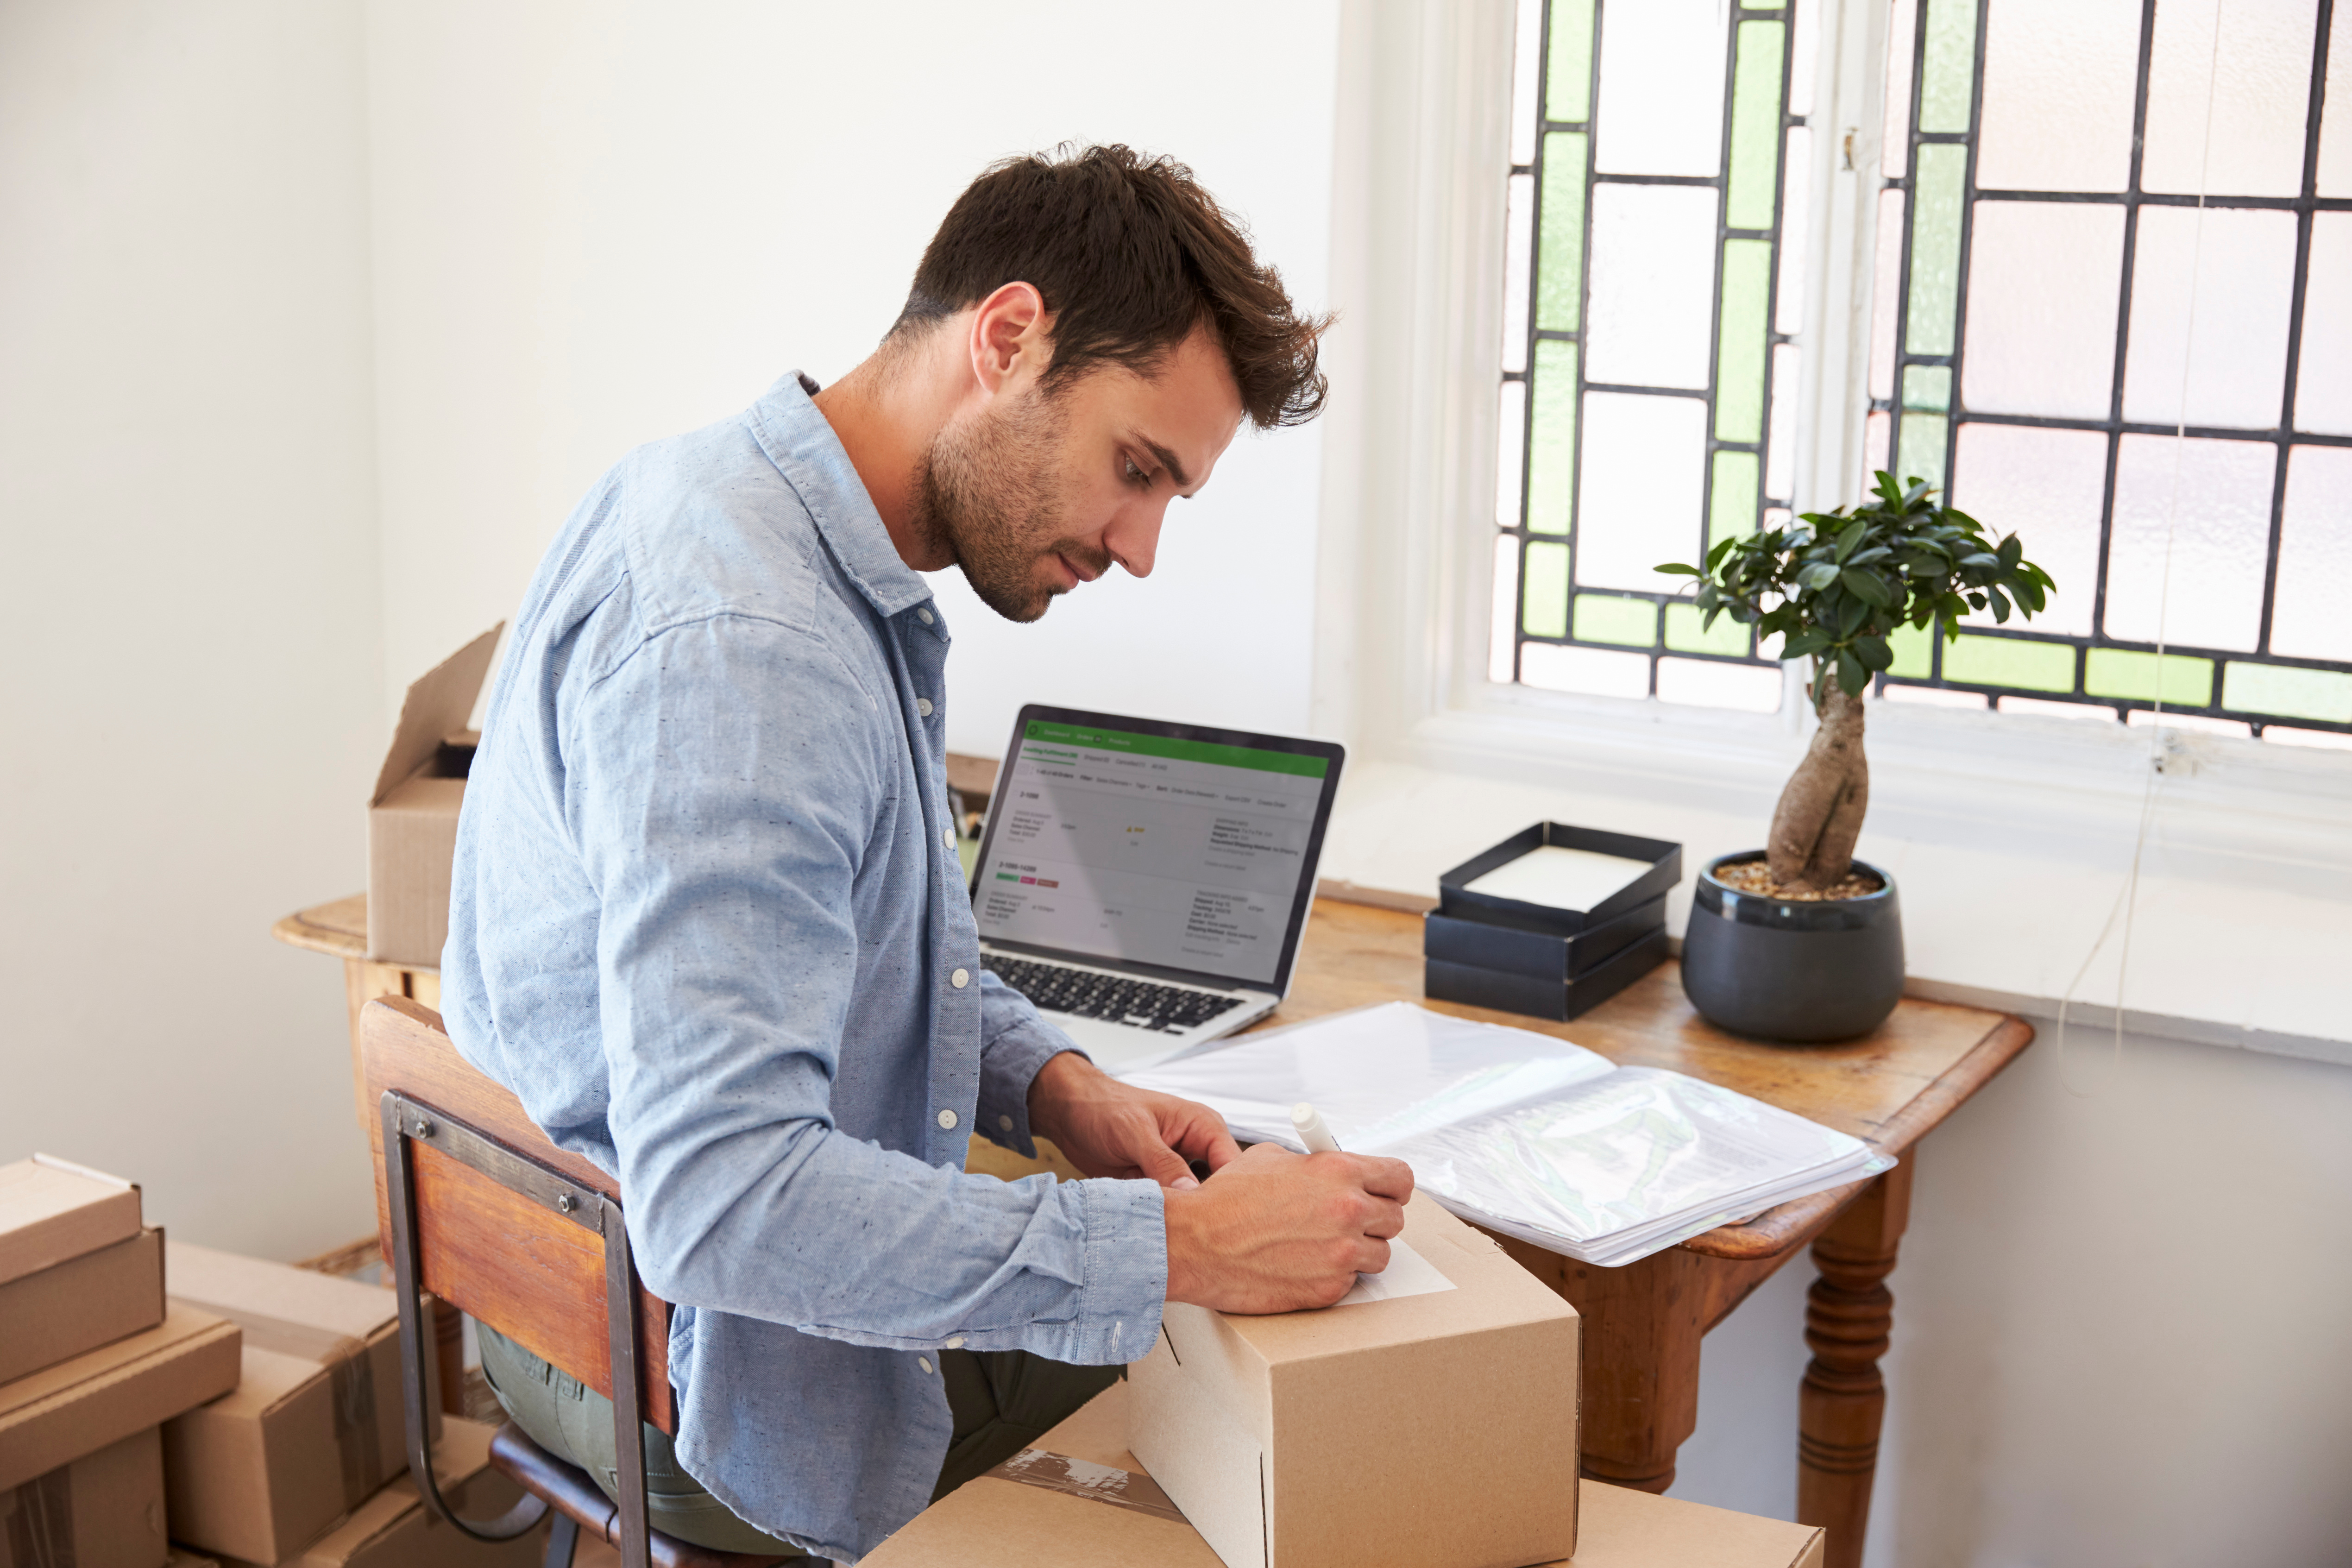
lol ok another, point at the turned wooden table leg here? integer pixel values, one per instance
(1849, 1315)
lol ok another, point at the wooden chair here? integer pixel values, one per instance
(473, 1205)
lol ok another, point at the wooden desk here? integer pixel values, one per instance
(1642, 1323)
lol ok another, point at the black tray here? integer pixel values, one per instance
(1454, 897)
(1484, 943)
(1535, 998)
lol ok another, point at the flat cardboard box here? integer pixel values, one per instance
(314, 1426)
(103, 1511)
(412, 815)
(395, 1530)
(54, 1416)
(1439, 1429)
(81, 1304)
(52, 1210)
(1093, 1514)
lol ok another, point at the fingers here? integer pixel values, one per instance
(1370, 1255)
(1163, 1164)
(1390, 1179)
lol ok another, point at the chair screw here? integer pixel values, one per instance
(423, 1129)
(565, 1202)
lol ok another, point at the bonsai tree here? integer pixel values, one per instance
(1835, 585)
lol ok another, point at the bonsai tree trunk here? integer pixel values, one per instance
(1819, 813)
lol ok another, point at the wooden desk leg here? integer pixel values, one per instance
(1849, 1315)
(1639, 1352)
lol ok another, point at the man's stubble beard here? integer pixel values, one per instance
(984, 491)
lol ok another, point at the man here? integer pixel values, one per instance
(709, 921)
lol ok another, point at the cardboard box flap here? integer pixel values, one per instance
(292, 1311)
(437, 707)
(56, 1415)
(1626, 1529)
(52, 1210)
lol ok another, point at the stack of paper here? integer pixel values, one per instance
(1524, 1134)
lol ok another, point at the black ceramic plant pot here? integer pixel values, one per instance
(1792, 970)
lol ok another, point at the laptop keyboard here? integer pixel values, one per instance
(1118, 999)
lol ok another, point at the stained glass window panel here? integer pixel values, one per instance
(1947, 65)
(2308, 620)
(1510, 451)
(1935, 194)
(1894, 141)
(1595, 672)
(1751, 188)
(2323, 396)
(1789, 309)
(1546, 603)
(1739, 363)
(2174, 679)
(1652, 277)
(1642, 488)
(2210, 296)
(1518, 251)
(1687, 632)
(1559, 289)
(1706, 684)
(1731, 502)
(1780, 452)
(1526, 68)
(1503, 628)
(2010, 661)
(2059, 80)
(2286, 690)
(2041, 334)
(2335, 131)
(1551, 438)
(1644, 469)
(2189, 541)
(2250, 61)
(1613, 619)
(1886, 294)
(1568, 74)
(2049, 485)
(1654, 115)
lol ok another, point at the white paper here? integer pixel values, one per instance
(1408, 1274)
(1559, 878)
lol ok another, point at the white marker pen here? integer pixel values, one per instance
(1311, 1130)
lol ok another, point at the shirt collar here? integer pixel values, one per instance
(798, 441)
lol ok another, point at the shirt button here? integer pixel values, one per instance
(925, 617)
(924, 1361)
(1004, 1124)
(947, 837)
(955, 1343)
(960, 979)
(948, 1119)
(923, 705)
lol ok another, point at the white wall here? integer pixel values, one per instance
(598, 223)
(192, 698)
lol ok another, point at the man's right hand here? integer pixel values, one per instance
(1275, 1232)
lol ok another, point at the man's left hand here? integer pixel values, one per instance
(1109, 1129)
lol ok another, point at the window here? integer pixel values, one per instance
(2115, 308)
(2111, 311)
(1650, 355)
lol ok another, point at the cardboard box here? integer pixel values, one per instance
(54, 1416)
(1437, 1428)
(81, 1304)
(103, 1511)
(52, 1210)
(1042, 1510)
(412, 815)
(314, 1426)
(395, 1530)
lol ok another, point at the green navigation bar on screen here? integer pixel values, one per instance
(1179, 750)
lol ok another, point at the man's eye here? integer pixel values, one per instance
(1136, 476)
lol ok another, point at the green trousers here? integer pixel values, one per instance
(1001, 1401)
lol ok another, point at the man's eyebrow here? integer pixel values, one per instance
(1166, 459)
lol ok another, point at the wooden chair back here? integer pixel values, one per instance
(532, 1274)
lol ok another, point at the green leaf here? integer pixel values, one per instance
(1723, 548)
(2000, 605)
(1874, 653)
(1817, 577)
(2012, 552)
(1849, 619)
(1849, 539)
(1812, 639)
(1867, 586)
(1679, 569)
(1851, 674)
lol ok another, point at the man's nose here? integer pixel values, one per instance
(1133, 537)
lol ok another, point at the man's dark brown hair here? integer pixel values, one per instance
(1129, 254)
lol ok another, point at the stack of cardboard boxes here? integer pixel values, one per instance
(93, 1361)
(252, 1416)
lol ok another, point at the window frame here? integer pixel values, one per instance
(1405, 593)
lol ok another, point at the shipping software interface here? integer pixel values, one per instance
(1157, 850)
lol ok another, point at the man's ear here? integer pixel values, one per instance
(1011, 332)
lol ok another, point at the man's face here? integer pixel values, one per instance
(1034, 494)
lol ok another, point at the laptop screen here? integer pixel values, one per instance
(1184, 849)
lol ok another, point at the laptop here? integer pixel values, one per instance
(1145, 884)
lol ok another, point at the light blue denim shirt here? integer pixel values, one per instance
(707, 924)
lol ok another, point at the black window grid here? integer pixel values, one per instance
(2132, 199)
(1774, 338)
